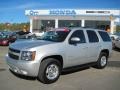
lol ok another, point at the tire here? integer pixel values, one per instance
(50, 70)
(102, 61)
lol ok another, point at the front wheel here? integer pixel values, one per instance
(49, 71)
(102, 61)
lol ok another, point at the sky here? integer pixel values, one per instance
(13, 11)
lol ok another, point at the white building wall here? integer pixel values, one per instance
(83, 23)
(56, 23)
(31, 25)
(75, 14)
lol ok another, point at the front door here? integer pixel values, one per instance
(77, 53)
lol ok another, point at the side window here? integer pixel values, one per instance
(104, 35)
(80, 34)
(92, 36)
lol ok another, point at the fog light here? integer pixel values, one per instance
(23, 72)
(15, 70)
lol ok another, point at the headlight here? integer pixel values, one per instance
(28, 55)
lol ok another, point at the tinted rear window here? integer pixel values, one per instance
(104, 35)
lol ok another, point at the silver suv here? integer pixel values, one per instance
(59, 49)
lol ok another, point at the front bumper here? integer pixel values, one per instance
(27, 68)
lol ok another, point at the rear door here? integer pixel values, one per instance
(93, 45)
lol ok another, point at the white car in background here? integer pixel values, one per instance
(115, 40)
(115, 35)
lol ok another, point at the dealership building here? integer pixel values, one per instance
(91, 18)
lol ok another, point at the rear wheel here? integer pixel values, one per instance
(102, 61)
(49, 71)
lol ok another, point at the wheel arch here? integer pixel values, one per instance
(57, 57)
(105, 51)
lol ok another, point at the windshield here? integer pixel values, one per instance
(55, 36)
(4, 36)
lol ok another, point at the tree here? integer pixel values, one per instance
(14, 26)
(118, 28)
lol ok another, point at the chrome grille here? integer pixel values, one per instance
(14, 54)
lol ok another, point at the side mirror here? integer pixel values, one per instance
(74, 40)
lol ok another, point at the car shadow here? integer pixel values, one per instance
(115, 64)
(22, 76)
(75, 69)
(116, 49)
(2, 69)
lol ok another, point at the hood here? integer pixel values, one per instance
(29, 44)
(19, 40)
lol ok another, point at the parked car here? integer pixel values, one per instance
(6, 38)
(115, 35)
(57, 50)
(117, 43)
(0, 32)
(22, 32)
(115, 40)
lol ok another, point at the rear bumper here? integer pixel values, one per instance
(4, 44)
(27, 68)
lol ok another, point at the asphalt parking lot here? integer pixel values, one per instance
(84, 79)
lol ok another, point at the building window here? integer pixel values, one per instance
(69, 23)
